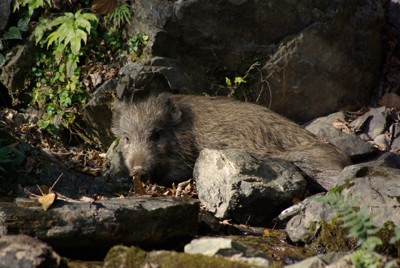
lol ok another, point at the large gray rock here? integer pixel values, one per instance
(116, 166)
(304, 227)
(342, 260)
(315, 70)
(374, 185)
(372, 123)
(121, 256)
(5, 11)
(237, 185)
(97, 116)
(156, 75)
(306, 51)
(25, 251)
(29, 167)
(377, 187)
(14, 74)
(227, 247)
(74, 226)
(349, 143)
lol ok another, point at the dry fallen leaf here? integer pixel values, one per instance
(96, 78)
(266, 233)
(138, 186)
(104, 6)
(48, 196)
(341, 125)
(182, 189)
(168, 192)
(47, 200)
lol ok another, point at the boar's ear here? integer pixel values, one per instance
(174, 111)
(176, 114)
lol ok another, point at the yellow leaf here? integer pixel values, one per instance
(266, 232)
(47, 200)
(48, 196)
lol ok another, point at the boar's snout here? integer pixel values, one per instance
(140, 173)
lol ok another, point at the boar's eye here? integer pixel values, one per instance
(156, 135)
(125, 139)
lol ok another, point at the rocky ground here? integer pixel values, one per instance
(81, 212)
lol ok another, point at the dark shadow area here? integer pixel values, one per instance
(5, 99)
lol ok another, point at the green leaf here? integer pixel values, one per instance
(58, 53)
(40, 29)
(120, 15)
(34, 4)
(82, 23)
(43, 123)
(372, 231)
(79, 35)
(12, 33)
(83, 20)
(71, 30)
(65, 99)
(72, 65)
(239, 80)
(228, 81)
(89, 16)
(63, 19)
(371, 243)
(347, 218)
(23, 24)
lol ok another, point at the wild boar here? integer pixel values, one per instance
(161, 136)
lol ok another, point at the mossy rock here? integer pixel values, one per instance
(133, 257)
(333, 238)
(129, 257)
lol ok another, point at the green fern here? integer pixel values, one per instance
(60, 93)
(32, 5)
(121, 15)
(359, 222)
(361, 227)
(72, 30)
(396, 237)
(41, 28)
(365, 259)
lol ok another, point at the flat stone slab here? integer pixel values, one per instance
(102, 224)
